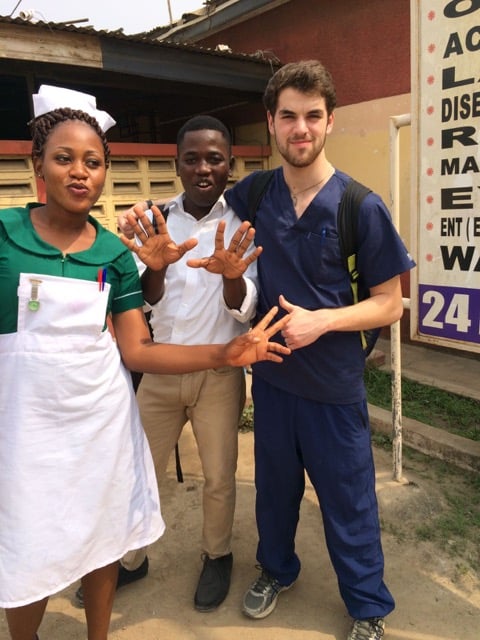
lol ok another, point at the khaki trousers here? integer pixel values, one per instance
(212, 401)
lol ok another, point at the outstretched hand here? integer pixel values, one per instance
(157, 250)
(255, 345)
(230, 262)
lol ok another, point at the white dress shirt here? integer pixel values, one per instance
(192, 309)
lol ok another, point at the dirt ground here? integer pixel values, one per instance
(436, 598)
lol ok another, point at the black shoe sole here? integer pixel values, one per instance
(207, 608)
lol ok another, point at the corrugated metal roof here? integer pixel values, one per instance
(150, 38)
(150, 86)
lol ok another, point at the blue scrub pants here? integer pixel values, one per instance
(332, 444)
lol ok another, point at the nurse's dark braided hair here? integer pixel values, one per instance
(42, 126)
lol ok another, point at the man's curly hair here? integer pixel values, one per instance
(42, 126)
(307, 76)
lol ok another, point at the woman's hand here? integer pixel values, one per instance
(157, 250)
(255, 345)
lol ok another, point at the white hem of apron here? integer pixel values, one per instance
(47, 443)
(66, 584)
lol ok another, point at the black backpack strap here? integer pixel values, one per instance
(347, 219)
(347, 225)
(164, 211)
(258, 187)
(178, 464)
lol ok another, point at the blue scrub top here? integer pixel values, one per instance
(302, 260)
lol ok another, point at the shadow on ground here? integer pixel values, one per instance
(434, 600)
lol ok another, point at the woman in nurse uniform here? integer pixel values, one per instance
(77, 484)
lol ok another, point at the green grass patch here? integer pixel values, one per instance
(442, 409)
(454, 526)
(246, 420)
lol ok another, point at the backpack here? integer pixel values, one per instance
(351, 200)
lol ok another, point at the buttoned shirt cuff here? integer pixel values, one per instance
(249, 304)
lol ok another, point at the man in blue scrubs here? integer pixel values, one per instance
(310, 412)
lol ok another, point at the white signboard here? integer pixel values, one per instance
(446, 199)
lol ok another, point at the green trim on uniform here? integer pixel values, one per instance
(23, 251)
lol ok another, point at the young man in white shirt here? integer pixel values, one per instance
(198, 305)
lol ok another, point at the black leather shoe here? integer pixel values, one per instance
(214, 582)
(124, 577)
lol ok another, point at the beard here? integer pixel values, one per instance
(303, 159)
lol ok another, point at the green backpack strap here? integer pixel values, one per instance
(347, 221)
(258, 187)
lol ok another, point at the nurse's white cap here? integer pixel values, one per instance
(49, 98)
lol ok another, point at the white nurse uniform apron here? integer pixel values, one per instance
(77, 481)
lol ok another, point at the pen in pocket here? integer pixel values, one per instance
(102, 278)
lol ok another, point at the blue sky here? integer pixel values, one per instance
(134, 17)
